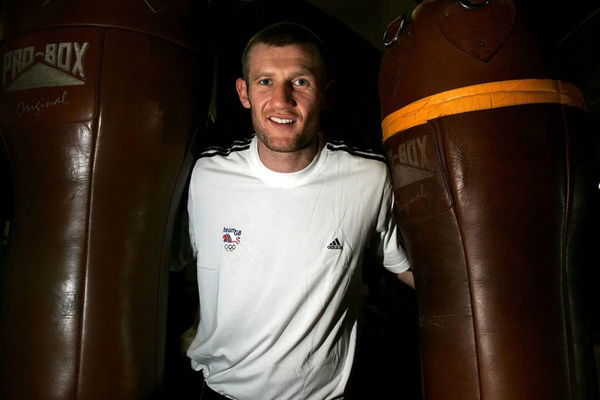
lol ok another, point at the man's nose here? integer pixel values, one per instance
(283, 95)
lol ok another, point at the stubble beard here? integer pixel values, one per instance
(305, 139)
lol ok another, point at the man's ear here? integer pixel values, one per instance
(328, 95)
(242, 91)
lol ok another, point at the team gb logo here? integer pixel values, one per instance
(231, 238)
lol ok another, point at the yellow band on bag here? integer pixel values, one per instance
(485, 96)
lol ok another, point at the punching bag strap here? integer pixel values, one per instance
(485, 96)
(397, 26)
(157, 5)
(470, 5)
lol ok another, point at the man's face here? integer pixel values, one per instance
(284, 92)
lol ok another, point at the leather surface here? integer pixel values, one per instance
(178, 21)
(439, 66)
(98, 158)
(479, 33)
(400, 31)
(483, 202)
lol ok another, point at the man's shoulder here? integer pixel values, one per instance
(216, 160)
(358, 151)
(361, 162)
(224, 147)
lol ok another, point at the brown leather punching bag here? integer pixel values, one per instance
(480, 133)
(99, 103)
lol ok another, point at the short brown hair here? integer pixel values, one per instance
(283, 34)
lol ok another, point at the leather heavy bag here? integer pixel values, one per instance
(99, 103)
(481, 133)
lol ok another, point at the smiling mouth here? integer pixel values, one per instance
(281, 120)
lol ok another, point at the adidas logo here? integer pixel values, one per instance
(335, 245)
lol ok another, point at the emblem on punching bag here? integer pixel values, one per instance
(411, 162)
(55, 64)
(50, 76)
(417, 178)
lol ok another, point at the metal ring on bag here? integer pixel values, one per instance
(469, 5)
(389, 42)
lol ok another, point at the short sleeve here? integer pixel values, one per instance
(387, 234)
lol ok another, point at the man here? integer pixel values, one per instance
(279, 223)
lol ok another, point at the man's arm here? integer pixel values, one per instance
(407, 277)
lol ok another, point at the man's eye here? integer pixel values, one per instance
(264, 82)
(301, 82)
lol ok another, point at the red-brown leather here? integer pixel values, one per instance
(484, 203)
(173, 20)
(99, 163)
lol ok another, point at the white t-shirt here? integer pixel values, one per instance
(277, 257)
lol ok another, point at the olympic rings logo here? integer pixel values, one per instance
(229, 247)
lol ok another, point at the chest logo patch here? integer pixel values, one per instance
(231, 238)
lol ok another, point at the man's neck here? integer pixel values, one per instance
(288, 162)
